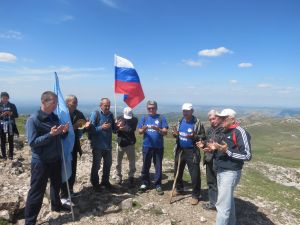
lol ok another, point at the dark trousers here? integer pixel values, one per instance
(10, 143)
(98, 154)
(191, 158)
(40, 172)
(157, 155)
(211, 177)
(64, 187)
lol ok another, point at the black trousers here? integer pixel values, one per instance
(10, 143)
(191, 158)
(211, 177)
(64, 187)
(40, 172)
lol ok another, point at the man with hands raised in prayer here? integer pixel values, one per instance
(44, 134)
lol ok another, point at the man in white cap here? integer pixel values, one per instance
(188, 131)
(126, 126)
(229, 160)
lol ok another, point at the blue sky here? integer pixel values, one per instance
(232, 52)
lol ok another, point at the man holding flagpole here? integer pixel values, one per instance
(44, 133)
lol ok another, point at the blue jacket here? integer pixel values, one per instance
(101, 138)
(44, 147)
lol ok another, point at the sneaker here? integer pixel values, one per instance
(159, 191)
(143, 188)
(66, 203)
(194, 201)
(209, 206)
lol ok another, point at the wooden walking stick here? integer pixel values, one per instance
(175, 179)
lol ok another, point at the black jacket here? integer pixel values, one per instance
(12, 108)
(127, 137)
(214, 134)
(75, 116)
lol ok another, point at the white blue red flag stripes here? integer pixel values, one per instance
(63, 114)
(127, 82)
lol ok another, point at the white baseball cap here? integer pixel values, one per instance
(227, 112)
(187, 106)
(127, 113)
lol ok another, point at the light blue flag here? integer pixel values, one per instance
(63, 114)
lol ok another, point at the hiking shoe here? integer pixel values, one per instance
(209, 206)
(131, 182)
(194, 201)
(97, 188)
(75, 194)
(159, 191)
(143, 188)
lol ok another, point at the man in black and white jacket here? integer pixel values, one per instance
(229, 160)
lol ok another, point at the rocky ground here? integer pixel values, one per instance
(123, 205)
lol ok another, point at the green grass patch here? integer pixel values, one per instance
(254, 184)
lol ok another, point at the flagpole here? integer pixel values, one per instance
(115, 97)
(67, 181)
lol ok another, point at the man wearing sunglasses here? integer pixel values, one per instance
(153, 126)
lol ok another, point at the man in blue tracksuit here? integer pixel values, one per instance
(153, 126)
(101, 129)
(44, 137)
(229, 160)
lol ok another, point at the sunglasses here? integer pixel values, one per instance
(151, 108)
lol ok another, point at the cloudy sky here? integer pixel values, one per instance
(235, 52)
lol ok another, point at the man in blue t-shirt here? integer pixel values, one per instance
(153, 126)
(189, 130)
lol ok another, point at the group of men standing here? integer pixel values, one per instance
(226, 146)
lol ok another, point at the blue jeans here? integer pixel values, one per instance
(227, 181)
(98, 154)
(157, 155)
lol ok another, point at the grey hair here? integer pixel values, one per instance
(212, 112)
(152, 102)
(47, 96)
(102, 100)
(71, 97)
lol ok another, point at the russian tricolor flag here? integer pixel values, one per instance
(127, 82)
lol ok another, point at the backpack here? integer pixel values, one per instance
(97, 122)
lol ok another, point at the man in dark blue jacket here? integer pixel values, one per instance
(101, 129)
(44, 137)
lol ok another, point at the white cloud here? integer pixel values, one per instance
(233, 81)
(65, 18)
(62, 69)
(110, 3)
(7, 57)
(245, 65)
(214, 52)
(190, 62)
(11, 34)
(264, 85)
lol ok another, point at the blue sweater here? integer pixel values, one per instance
(101, 138)
(44, 147)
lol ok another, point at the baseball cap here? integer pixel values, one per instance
(227, 112)
(187, 106)
(128, 113)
